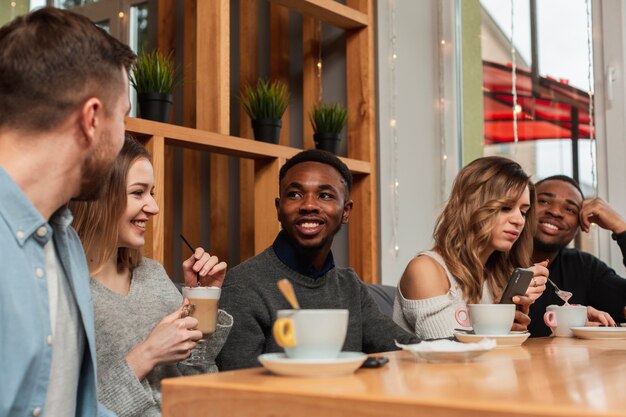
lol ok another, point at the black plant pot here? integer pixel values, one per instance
(267, 130)
(327, 141)
(155, 106)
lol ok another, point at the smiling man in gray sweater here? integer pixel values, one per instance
(314, 202)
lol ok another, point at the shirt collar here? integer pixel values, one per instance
(288, 254)
(22, 216)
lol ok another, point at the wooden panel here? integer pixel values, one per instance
(191, 183)
(166, 38)
(279, 57)
(266, 225)
(248, 73)
(329, 11)
(166, 25)
(213, 107)
(311, 82)
(155, 230)
(223, 144)
(362, 143)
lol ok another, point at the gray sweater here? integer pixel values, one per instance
(124, 321)
(251, 295)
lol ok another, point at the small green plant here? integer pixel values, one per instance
(328, 118)
(154, 72)
(265, 100)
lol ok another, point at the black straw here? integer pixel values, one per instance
(192, 250)
(187, 243)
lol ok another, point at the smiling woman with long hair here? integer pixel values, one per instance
(483, 233)
(142, 332)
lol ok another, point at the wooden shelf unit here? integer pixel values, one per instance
(207, 114)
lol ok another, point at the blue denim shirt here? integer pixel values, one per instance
(25, 355)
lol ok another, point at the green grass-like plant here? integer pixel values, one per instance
(265, 99)
(328, 118)
(154, 72)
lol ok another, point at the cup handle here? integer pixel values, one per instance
(462, 311)
(550, 318)
(283, 333)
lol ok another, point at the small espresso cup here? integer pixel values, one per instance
(487, 319)
(560, 318)
(311, 334)
(204, 301)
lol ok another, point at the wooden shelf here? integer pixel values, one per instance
(223, 144)
(328, 11)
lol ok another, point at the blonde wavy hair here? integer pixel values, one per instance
(97, 221)
(463, 229)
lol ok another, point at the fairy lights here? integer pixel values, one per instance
(393, 131)
(318, 64)
(441, 90)
(594, 184)
(514, 75)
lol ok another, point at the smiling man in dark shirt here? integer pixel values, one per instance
(561, 211)
(314, 202)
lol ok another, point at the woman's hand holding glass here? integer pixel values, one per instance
(170, 341)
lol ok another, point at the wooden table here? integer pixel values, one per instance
(544, 377)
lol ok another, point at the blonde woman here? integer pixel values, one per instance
(141, 335)
(484, 232)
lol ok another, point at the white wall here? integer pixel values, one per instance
(419, 155)
(610, 52)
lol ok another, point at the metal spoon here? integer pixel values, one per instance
(285, 287)
(563, 295)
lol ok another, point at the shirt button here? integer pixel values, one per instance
(36, 411)
(39, 272)
(49, 339)
(42, 231)
(19, 234)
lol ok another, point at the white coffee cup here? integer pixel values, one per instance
(487, 319)
(560, 318)
(311, 334)
(204, 301)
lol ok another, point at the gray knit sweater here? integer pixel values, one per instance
(124, 321)
(251, 295)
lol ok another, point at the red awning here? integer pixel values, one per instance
(543, 114)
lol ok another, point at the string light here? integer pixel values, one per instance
(592, 135)
(442, 101)
(120, 15)
(514, 76)
(318, 64)
(393, 127)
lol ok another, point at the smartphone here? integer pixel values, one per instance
(518, 284)
(375, 362)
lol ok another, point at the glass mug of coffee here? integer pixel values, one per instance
(203, 303)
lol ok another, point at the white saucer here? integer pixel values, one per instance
(504, 340)
(345, 364)
(439, 351)
(599, 332)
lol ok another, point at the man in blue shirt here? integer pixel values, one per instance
(63, 99)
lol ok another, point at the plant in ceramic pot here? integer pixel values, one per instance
(265, 103)
(155, 78)
(328, 120)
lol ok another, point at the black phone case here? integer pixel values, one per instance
(518, 284)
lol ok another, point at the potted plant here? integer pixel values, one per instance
(265, 103)
(154, 78)
(328, 120)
